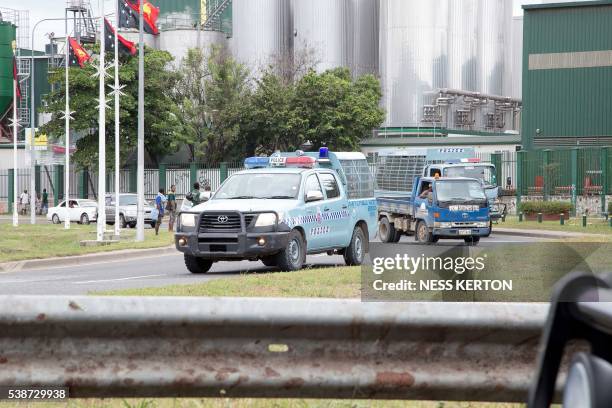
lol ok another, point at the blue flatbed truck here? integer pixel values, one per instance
(437, 208)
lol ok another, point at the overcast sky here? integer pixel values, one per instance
(40, 9)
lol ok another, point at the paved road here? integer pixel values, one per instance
(152, 271)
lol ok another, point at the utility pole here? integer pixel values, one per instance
(101, 221)
(140, 179)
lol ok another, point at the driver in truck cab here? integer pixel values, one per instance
(281, 209)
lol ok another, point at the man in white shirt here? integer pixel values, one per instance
(24, 200)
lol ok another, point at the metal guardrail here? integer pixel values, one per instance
(221, 347)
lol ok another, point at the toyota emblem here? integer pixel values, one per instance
(222, 219)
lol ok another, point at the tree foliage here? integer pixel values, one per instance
(329, 108)
(162, 127)
(212, 104)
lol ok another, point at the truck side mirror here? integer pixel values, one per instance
(314, 195)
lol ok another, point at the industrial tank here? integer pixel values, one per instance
(413, 56)
(494, 38)
(261, 31)
(7, 36)
(323, 27)
(178, 42)
(463, 63)
(363, 26)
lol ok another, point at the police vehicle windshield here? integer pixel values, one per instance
(486, 174)
(260, 186)
(459, 191)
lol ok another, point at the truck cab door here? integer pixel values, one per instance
(336, 226)
(314, 225)
(422, 204)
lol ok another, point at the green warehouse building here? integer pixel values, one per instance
(567, 75)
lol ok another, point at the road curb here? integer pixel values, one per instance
(543, 234)
(124, 254)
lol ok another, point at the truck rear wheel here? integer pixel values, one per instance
(197, 265)
(423, 235)
(293, 256)
(387, 232)
(355, 252)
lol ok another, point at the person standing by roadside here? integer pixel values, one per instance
(171, 208)
(159, 204)
(24, 200)
(44, 208)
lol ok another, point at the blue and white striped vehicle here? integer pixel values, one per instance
(281, 208)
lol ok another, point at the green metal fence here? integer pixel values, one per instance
(563, 172)
(84, 183)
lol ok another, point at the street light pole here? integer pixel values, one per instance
(15, 79)
(117, 151)
(67, 128)
(140, 173)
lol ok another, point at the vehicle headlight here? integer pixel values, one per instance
(482, 224)
(188, 220)
(265, 220)
(443, 224)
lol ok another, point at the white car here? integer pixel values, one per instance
(81, 211)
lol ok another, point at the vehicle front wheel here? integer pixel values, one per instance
(355, 252)
(55, 219)
(84, 219)
(423, 234)
(472, 240)
(293, 256)
(197, 265)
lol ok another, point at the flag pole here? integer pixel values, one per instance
(117, 152)
(101, 219)
(15, 214)
(67, 128)
(140, 179)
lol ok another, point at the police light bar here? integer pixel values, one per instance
(256, 162)
(300, 161)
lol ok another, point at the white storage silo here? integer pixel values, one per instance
(413, 56)
(261, 31)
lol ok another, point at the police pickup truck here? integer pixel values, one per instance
(454, 208)
(282, 208)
